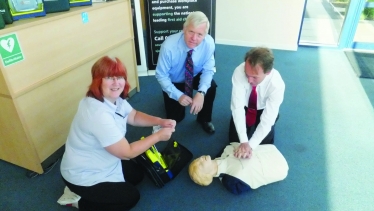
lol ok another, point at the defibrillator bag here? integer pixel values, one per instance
(52, 6)
(163, 167)
(2, 22)
(24, 5)
(20, 9)
(5, 12)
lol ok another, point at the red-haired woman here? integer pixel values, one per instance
(95, 166)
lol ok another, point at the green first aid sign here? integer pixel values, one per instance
(10, 50)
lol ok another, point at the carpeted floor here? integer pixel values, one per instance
(362, 63)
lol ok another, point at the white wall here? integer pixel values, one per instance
(271, 23)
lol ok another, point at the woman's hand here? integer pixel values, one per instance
(168, 123)
(164, 134)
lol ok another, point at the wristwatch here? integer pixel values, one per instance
(202, 93)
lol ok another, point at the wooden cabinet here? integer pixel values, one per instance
(40, 94)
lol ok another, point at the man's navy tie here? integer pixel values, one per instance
(188, 87)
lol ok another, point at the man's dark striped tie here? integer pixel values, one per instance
(188, 87)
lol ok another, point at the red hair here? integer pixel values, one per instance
(105, 67)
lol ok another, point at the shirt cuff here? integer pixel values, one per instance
(243, 138)
(203, 88)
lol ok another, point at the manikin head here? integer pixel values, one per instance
(195, 28)
(202, 170)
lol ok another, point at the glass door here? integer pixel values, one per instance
(323, 22)
(364, 36)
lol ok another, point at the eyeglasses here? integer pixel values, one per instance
(111, 78)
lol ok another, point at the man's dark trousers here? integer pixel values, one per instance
(233, 135)
(176, 111)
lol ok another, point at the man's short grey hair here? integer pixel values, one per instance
(197, 18)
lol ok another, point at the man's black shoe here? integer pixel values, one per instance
(208, 127)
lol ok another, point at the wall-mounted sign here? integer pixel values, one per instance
(10, 50)
(166, 17)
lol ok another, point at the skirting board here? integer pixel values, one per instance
(248, 44)
(153, 72)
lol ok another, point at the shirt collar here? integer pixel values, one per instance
(110, 105)
(266, 79)
(222, 166)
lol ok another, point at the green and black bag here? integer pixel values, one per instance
(176, 157)
(5, 12)
(2, 23)
(52, 6)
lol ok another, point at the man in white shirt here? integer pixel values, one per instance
(256, 72)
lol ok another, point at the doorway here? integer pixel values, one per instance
(343, 24)
(364, 35)
(323, 22)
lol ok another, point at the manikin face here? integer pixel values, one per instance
(194, 35)
(112, 87)
(206, 165)
(255, 74)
